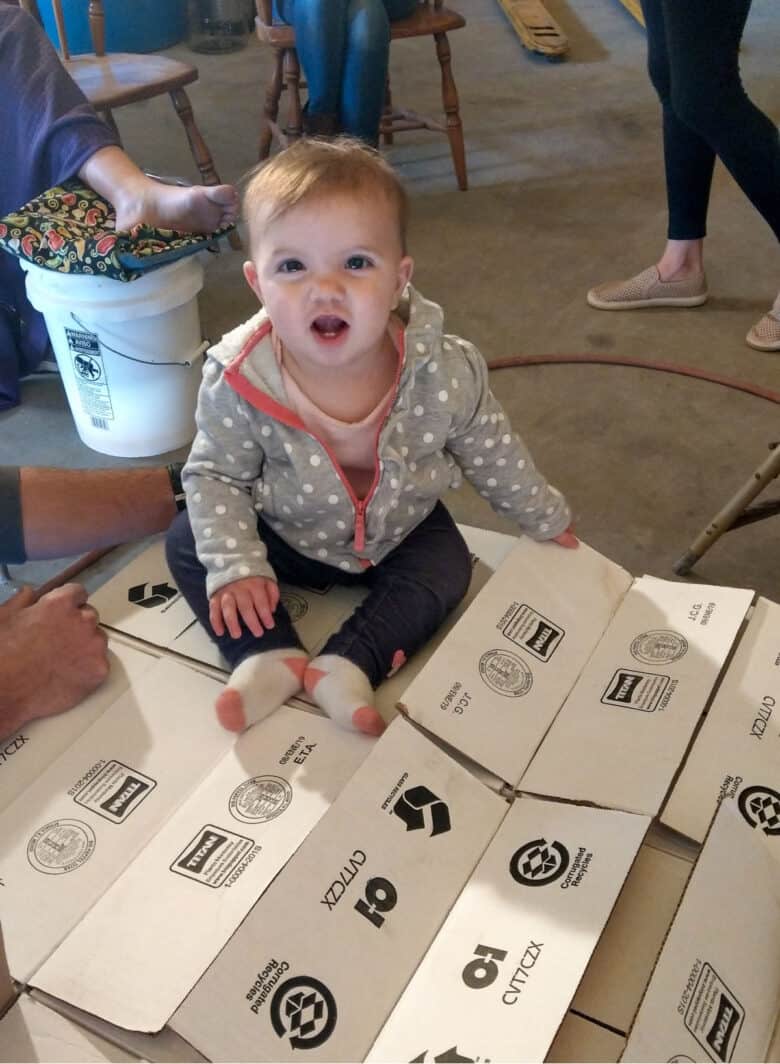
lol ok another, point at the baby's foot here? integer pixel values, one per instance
(190, 209)
(259, 685)
(344, 692)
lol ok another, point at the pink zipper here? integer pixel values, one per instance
(264, 402)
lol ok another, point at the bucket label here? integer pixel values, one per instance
(90, 376)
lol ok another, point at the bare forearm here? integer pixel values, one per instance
(69, 511)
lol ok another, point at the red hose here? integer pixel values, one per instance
(636, 363)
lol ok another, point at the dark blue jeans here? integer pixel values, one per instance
(343, 46)
(693, 61)
(411, 591)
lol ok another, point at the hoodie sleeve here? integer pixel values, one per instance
(494, 458)
(223, 483)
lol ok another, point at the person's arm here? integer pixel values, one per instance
(60, 512)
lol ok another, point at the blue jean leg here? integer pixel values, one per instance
(344, 46)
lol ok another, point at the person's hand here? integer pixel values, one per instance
(53, 654)
(253, 599)
(567, 538)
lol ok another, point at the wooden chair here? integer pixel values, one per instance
(431, 19)
(111, 81)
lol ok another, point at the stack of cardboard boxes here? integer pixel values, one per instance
(524, 867)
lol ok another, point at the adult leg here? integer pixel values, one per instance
(411, 592)
(678, 277)
(366, 62)
(707, 94)
(321, 40)
(47, 131)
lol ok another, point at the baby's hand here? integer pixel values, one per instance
(254, 599)
(567, 538)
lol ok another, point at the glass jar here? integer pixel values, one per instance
(217, 26)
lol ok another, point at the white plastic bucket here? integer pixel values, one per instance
(129, 353)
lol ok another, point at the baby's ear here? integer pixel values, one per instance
(405, 271)
(250, 273)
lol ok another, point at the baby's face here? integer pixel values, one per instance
(329, 271)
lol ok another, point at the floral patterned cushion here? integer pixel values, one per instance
(71, 229)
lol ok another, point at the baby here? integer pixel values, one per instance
(329, 426)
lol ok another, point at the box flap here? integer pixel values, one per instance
(31, 1032)
(322, 957)
(500, 975)
(24, 756)
(737, 751)
(581, 1040)
(141, 600)
(73, 831)
(715, 990)
(620, 968)
(175, 906)
(496, 682)
(165, 1047)
(625, 727)
(7, 990)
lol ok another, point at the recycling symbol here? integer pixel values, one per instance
(160, 594)
(411, 808)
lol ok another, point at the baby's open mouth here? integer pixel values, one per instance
(329, 326)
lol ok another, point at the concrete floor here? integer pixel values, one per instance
(566, 190)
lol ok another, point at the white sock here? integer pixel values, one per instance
(344, 692)
(259, 685)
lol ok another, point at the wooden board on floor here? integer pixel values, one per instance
(634, 7)
(536, 28)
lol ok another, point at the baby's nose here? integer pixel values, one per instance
(328, 286)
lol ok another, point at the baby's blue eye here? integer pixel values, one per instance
(358, 262)
(290, 266)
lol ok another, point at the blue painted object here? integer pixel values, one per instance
(131, 25)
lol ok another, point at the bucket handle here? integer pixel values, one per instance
(143, 361)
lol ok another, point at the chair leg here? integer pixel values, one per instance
(387, 113)
(271, 110)
(200, 152)
(449, 95)
(292, 81)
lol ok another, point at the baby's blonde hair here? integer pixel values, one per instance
(312, 167)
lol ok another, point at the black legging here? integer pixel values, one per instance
(693, 61)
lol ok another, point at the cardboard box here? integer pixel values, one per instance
(624, 729)
(7, 989)
(24, 756)
(30, 1032)
(584, 1041)
(322, 957)
(715, 990)
(164, 1047)
(500, 975)
(137, 953)
(737, 751)
(495, 684)
(618, 973)
(70, 833)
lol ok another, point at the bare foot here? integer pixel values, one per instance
(192, 209)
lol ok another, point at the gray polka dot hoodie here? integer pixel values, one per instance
(253, 454)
